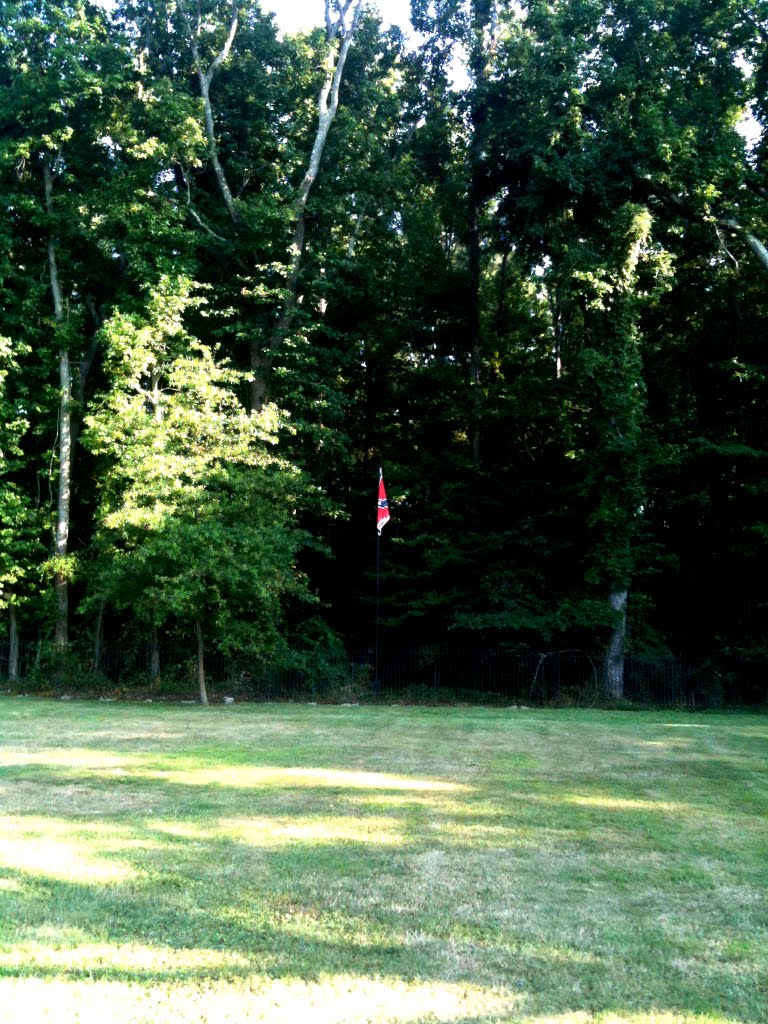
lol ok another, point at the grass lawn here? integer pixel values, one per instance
(351, 864)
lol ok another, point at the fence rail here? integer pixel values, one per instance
(423, 675)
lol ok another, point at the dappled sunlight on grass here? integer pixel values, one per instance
(612, 803)
(61, 850)
(75, 758)
(252, 777)
(289, 864)
(271, 832)
(114, 766)
(69, 951)
(338, 999)
(686, 725)
(656, 1017)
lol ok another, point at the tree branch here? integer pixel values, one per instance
(49, 176)
(754, 243)
(204, 78)
(758, 190)
(50, 173)
(201, 224)
(328, 104)
(86, 364)
(219, 59)
(328, 92)
(729, 223)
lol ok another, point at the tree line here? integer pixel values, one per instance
(239, 271)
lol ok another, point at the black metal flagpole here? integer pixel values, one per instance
(382, 518)
(376, 640)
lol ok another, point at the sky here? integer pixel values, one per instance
(302, 14)
(292, 15)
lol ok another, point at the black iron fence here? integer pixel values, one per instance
(419, 675)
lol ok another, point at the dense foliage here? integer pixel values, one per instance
(239, 271)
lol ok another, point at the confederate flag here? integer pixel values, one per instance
(382, 511)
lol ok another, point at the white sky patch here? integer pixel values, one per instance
(750, 130)
(298, 15)
(302, 15)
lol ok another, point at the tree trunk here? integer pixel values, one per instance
(475, 341)
(98, 637)
(558, 327)
(483, 17)
(201, 662)
(217, 168)
(204, 79)
(154, 658)
(614, 655)
(475, 209)
(328, 104)
(60, 585)
(620, 452)
(13, 645)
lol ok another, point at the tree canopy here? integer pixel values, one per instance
(241, 270)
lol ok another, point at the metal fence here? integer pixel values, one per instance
(419, 675)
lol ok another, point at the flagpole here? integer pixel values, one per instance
(382, 518)
(376, 637)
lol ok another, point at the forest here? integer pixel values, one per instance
(240, 271)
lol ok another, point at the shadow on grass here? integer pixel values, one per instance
(270, 929)
(627, 886)
(547, 898)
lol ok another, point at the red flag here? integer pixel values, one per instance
(382, 511)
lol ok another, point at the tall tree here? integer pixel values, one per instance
(56, 113)
(196, 525)
(21, 525)
(342, 18)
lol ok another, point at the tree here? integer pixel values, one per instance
(342, 18)
(55, 115)
(21, 524)
(538, 299)
(196, 518)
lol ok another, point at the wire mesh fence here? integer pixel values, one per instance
(435, 674)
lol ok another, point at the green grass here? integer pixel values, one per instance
(295, 863)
